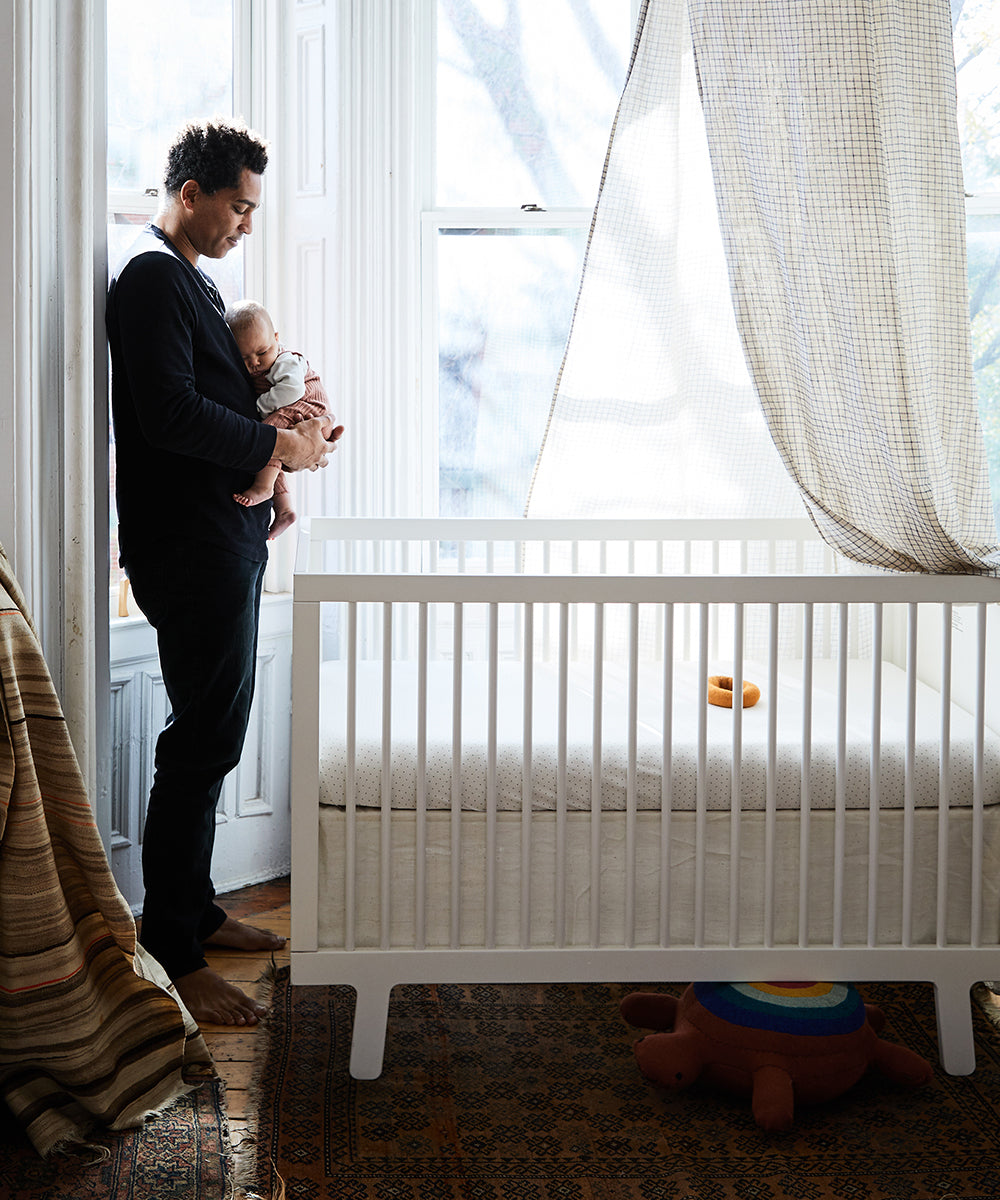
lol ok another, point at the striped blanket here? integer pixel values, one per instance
(90, 1035)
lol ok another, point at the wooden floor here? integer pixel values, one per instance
(268, 906)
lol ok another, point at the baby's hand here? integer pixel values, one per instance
(261, 384)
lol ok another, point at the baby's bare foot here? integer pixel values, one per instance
(210, 998)
(283, 518)
(255, 494)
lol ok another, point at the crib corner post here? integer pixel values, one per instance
(304, 794)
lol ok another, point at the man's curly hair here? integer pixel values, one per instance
(214, 155)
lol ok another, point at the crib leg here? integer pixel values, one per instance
(371, 1016)
(954, 1023)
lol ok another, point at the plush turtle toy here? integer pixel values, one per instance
(780, 1043)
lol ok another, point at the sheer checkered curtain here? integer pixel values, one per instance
(820, 138)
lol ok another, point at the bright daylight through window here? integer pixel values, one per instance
(146, 108)
(525, 96)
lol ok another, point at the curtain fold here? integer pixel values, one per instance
(832, 136)
(834, 142)
(654, 412)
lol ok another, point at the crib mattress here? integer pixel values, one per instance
(483, 776)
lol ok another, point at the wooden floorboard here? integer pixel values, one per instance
(267, 905)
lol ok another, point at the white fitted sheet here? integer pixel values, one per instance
(685, 775)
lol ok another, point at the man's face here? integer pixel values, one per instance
(216, 221)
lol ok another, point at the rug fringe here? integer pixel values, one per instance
(247, 1186)
(249, 1192)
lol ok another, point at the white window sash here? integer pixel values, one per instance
(432, 222)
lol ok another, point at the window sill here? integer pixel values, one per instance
(271, 604)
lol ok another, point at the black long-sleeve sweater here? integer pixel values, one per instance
(187, 432)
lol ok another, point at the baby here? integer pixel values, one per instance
(288, 392)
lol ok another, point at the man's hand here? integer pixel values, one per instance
(306, 445)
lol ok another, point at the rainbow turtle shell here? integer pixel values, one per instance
(800, 1009)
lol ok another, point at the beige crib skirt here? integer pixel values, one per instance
(767, 886)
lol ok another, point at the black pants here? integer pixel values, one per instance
(204, 603)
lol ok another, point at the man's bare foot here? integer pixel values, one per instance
(257, 493)
(283, 517)
(210, 998)
(234, 935)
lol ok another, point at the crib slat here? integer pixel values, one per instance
(403, 628)
(666, 773)
(630, 776)
(574, 566)
(978, 779)
(944, 777)
(805, 767)
(771, 780)
(736, 778)
(455, 914)
(909, 770)
(432, 560)
(518, 569)
(714, 609)
(528, 655)
(840, 792)
(562, 747)
(490, 898)
(701, 802)
(385, 878)
(875, 775)
(420, 867)
(686, 610)
(351, 799)
(546, 611)
(597, 741)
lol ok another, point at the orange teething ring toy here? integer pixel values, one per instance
(720, 691)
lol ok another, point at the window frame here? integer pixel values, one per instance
(257, 49)
(387, 219)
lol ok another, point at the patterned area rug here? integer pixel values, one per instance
(532, 1092)
(183, 1154)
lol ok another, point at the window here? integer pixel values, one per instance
(193, 79)
(977, 51)
(525, 98)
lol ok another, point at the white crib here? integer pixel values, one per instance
(505, 766)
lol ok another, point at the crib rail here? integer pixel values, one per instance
(723, 880)
(565, 546)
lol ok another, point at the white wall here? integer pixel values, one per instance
(51, 346)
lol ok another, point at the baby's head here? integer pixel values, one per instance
(255, 336)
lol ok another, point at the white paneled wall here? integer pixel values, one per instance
(252, 829)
